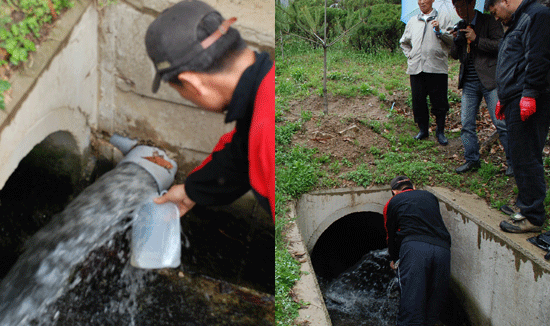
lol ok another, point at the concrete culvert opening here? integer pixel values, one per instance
(344, 231)
(344, 243)
(42, 184)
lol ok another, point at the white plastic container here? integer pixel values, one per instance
(156, 237)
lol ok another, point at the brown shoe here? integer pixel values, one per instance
(519, 225)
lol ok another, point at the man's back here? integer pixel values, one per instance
(415, 215)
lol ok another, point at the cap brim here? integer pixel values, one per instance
(156, 83)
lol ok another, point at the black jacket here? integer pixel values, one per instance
(231, 169)
(413, 215)
(523, 65)
(484, 50)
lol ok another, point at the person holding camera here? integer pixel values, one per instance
(426, 44)
(476, 39)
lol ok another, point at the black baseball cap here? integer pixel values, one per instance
(172, 43)
(398, 180)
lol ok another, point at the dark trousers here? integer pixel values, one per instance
(424, 274)
(435, 86)
(526, 141)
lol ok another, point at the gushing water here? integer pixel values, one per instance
(42, 272)
(366, 294)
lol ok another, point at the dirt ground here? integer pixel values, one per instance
(343, 134)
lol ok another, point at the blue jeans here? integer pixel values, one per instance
(472, 93)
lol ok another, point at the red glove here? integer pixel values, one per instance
(527, 107)
(498, 111)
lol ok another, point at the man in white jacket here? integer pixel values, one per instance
(426, 42)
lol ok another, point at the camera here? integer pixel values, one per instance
(461, 36)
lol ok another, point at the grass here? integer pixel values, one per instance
(301, 169)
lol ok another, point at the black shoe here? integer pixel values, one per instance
(442, 139)
(421, 135)
(519, 226)
(468, 166)
(509, 171)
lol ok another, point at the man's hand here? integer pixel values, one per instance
(499, 114)
(178, 196)
(527, 106)
(435, 25)
(469, 33)
(392, 265)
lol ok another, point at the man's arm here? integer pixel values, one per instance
(537, 55)
(390, 223)
(405, 41)
(445, 25)
(223, 176)
(490, 43)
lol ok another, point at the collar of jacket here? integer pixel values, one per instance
(430, 17)
(245, 92)
(515, 16)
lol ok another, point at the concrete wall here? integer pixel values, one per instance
(56, 90)
(127, 104)
(500, 277)
(93, 74)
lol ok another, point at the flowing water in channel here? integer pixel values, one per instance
(366, 294)
(75, 270)
(41, 273)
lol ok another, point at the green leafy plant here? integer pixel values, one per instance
(4, 86)
(284, 133)
(298, 172)
(306, 115)
(19, 38)
(362, 176)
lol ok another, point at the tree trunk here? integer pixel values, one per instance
(325, 63)
(325, 79)
(282, 47)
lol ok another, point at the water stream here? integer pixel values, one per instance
(75, 269)
(366, 294)
(41, 273)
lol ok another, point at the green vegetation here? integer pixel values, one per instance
(19, 37)
(4, 86)
(301, 167)
(20, 25)
(288, 271)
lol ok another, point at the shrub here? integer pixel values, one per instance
(382, 29)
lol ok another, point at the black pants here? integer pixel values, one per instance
(526, 141)
(435, 86)
(424, 275)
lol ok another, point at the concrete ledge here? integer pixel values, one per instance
(306, 288)
(503, 279)
(41, 59)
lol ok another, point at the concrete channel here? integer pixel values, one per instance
(499, 278)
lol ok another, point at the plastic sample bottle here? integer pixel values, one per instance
(156, 237)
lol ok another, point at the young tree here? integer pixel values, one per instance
(306, 24)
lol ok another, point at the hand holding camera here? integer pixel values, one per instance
(459, 32)
(463, 32)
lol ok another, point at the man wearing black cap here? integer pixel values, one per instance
(419, 241)
(207, 62)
